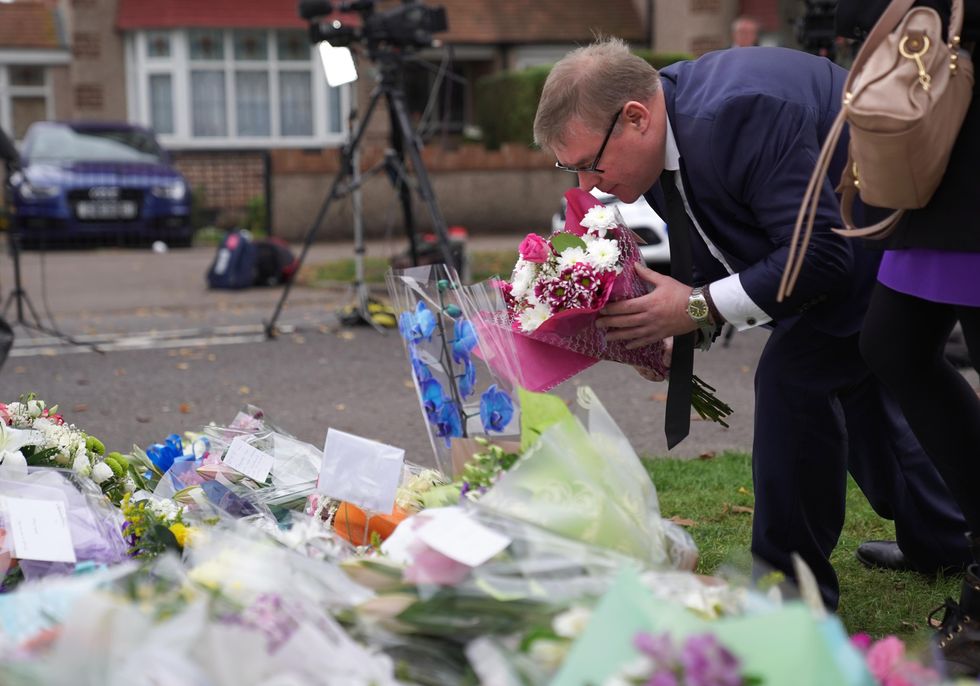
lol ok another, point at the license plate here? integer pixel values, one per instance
(106, 209)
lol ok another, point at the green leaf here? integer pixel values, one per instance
(563, 241)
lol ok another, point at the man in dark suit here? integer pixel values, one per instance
(740, 130)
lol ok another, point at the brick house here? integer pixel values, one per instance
(234, 91)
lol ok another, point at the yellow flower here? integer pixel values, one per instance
(180, 532)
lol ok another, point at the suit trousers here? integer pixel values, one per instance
(819, 413)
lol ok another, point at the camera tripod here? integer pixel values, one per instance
(19, 298)
(349, 180)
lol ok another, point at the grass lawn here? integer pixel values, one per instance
(483, 265)
(716, 495)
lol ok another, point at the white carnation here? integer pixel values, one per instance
(572, 622)
(523, 279)
(570, 257)
(603, 253)
(533, 317)
(598, 220)
(101, 472)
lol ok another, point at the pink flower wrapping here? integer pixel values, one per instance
(567, 341)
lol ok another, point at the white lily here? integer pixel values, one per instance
(12, 439)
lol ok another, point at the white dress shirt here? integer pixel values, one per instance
(727, 294)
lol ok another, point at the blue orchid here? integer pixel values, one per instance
(433, 398)
(464, 340)
(468, 378)
(419, 325)
(496, 409)
(448, 424)
(419, 368)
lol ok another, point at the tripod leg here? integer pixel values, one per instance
(401, 182)
(342, 173)
(396, 100)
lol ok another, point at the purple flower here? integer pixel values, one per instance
(659, 648)
(663, 677)
(708, 663)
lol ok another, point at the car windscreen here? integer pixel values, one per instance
(64, 144)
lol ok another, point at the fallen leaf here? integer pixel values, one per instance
(299, 339)
(119, 372)
(346, 335)
(746, 369)
(744, 491)
(19, 370)
(340, 406)
(741, 509)
(659, 397)
(409, 383)
(142, 420)
(184, 408)
(79, 407)
(710, 455)
(212, 357)
(682, 521)
(172, 353)
(183, 366)
(244, 390)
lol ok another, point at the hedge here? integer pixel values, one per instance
(506, 102)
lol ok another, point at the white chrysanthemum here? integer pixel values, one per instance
(81, 465)
(598, 220)
(129, 485)
(101, 472)
(166, 509)
(570, 257)
(533, 317)
(603, 253)
(523, 278)
(548, 653)
(572, 622)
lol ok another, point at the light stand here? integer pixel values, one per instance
(404, 142)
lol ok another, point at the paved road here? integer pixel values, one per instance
(180, 356)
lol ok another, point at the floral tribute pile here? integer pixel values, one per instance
(178, 555)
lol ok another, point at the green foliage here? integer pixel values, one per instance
(202, 214)
(255, 219)
(563, 241)
(506, 101)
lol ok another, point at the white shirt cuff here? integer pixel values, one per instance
(735, 305)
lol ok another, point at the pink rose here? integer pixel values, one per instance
(884, 655)
(861, 641)
(535, 249)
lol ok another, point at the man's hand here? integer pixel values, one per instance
(660, 314)
(651, 375)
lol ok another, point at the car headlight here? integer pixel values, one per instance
(29, 191)
(171, 191)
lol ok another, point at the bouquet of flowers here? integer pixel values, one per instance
(557, 289)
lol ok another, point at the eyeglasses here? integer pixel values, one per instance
(594, 167)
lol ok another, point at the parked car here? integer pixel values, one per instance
(644, 222)
(86, 181)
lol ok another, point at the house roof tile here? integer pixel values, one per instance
(29, 25)
(470, 21)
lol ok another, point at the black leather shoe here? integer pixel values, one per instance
(883, 555)
(958, 639)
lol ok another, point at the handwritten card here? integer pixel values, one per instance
(361, 471)
(460, 537)
(39, 529)
(250, 461)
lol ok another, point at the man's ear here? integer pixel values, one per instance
(636, 114)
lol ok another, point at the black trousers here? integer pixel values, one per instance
(903, 340)
(819, 413)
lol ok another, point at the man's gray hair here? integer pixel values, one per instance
(589, 84)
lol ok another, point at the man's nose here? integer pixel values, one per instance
(587, 180)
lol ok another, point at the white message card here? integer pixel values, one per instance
(460, 537)
(39, 529)
(250, 461)
(360, 471)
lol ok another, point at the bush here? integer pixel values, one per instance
(506, 102)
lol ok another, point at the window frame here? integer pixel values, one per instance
(45, 60)
(326, 132)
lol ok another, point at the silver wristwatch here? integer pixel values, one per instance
(698, 310)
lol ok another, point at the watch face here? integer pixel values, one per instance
(698, 309)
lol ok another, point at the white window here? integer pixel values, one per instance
(233, 88)
(25, 97)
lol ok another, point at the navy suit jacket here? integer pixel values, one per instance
(749, 124)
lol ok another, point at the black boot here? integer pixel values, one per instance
(958, 637)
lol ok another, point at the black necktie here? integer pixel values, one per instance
(677, 420)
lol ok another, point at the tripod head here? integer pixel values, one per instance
(404, 28)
